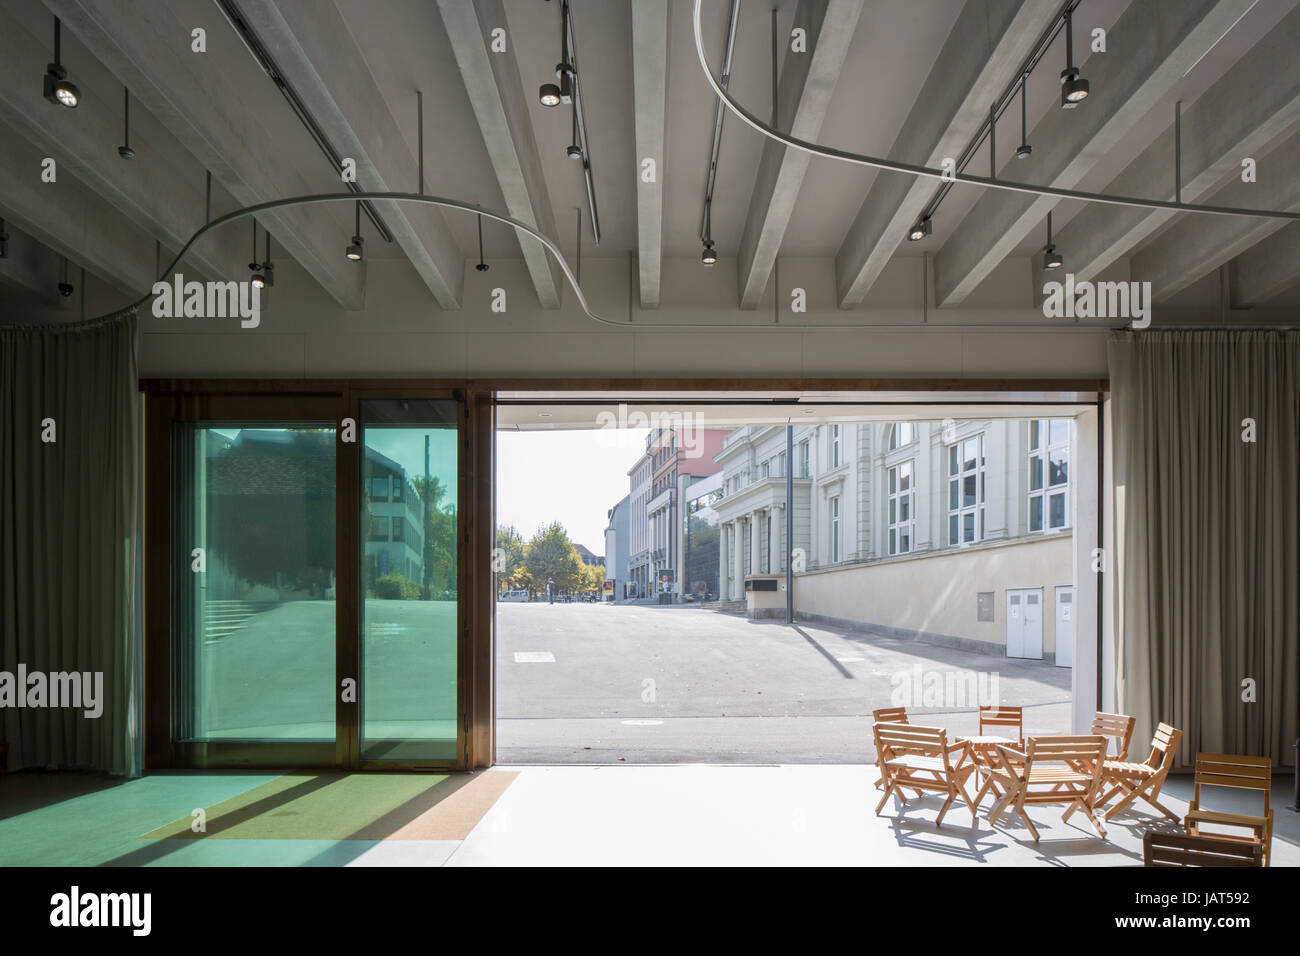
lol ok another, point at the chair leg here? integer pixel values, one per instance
(1020, 809)
(944, 809)
(885, 799)
(1065, 817)
(1092, 818)
(1129, 796)
(1002, 805)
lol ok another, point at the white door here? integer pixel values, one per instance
(1065, 627)
(1025, 623)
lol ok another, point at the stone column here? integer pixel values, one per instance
(722, 562)
(755, 543)
(738, 549)
(778, 532)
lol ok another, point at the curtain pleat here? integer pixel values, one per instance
(1207, 585)
(70, 536)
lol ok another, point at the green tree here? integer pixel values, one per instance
(439, 537)
(511, 574)
(550, 555)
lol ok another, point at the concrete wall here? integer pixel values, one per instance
(936, 594)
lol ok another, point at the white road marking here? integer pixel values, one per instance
(534, 657)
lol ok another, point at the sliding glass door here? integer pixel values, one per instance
(309, 611)
(409, 581)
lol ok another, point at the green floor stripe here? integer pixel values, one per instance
(304, 806)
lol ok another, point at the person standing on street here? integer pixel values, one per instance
(550, 590)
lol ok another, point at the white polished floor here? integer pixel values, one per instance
(785, 815)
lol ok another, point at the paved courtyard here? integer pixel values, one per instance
(613, 684)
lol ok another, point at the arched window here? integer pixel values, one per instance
(901, 434)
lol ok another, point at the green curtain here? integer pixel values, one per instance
(69, 538)
(1207, 532)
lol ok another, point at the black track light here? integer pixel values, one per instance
(65, 287)
(574, 151)
(549, 94)
(1051, 258)
(1024, 150)
(353, 251)
(710, 255)
(920, 230)
(4, 241)
(1074, 88)
(125, 150)
(58, 89)
(253, 264)
(482, 266)
(268, 270)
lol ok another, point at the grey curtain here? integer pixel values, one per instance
(69, 539)
(1207, 532)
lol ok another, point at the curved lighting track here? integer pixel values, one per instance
(858, 159)
(624, 324)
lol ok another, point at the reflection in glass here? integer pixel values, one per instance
(409, 581)
(254, 607)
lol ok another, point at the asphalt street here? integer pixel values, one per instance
(610, 684)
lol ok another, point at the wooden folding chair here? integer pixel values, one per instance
(983, 747)
(1238, 773)
(888, 715)
(1144, 779)
(1070, 767)
(1118, 727)
(1175, 849)
(920, 758)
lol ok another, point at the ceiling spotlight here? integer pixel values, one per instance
(125, 150)
(710, 255)
(259, 280)
(574, 152)
(920, 230)
(354, 251)
(482, 266)
(1074, 88)
(65, 287)
(1024, 149)
(1051, 258)
(57, 88)
(268, 270)
(549, 94)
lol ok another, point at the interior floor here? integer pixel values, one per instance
(642, 816)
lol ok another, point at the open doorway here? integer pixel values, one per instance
(746, 581)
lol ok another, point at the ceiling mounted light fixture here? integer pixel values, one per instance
(4, 241)
(354, 251)
(710, 255)
(58, 89)
(259, 278)
(1074, 88)
(482, 266)
(125, 150)
(268, 270)
(1024, 150)
(549, 94)
(1051, 258)
(574, 151)
(65, 287)
(920, 229)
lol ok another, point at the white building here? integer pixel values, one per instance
(918, 527)
(639, 540)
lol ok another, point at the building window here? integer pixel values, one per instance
(1049, 474)
(835, 528)
(765, 469)
(399, 525)
(804, 460)
(966, 491)
(379, 525)
(901, 435)
(835, 446)
(397, 487)
(379, 488)
(901, 506)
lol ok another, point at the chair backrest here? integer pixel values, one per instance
(998, 716)
(1177, 849)
(1089, 748)
(910, 739)
(1164, 745)
(1118, 727)
(1233, 770)
(889, 715)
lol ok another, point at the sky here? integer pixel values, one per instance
(573, 477)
